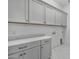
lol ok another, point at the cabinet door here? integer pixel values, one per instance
(17, 10)
(50, 16)
(16, 56)
(33, 53)
(36, 52)
(28, 54)
(58, 18)
(46, 51)
(64, 19)
(36, 12)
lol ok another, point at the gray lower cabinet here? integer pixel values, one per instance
(36, 12)
(16, 56)
(25, 51)
(33, 53)
(18, 11)
(28, 54)
(33, 50)
(36, 52)
(50, 15)
(46, 50)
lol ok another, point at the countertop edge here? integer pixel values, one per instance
(27, 40)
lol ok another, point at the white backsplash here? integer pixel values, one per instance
(15, 29)
(21, 29)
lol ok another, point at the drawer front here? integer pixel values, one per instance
(46, 41)
(21, 47)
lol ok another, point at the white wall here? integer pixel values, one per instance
(19, 29)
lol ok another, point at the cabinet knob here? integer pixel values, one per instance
(23, 47)
(20, 54)
(41, 47)
(20, 48)
(61, 41)
(24, 53)
(46, 42)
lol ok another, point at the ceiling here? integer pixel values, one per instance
(62, 3)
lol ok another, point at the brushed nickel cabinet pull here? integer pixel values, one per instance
(46, 41)
(21, 54)
(41, 47)
(23, 47)
(24, 53)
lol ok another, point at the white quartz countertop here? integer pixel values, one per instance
(27, 40)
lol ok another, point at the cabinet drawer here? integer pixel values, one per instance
(45, 41)
(21, 47)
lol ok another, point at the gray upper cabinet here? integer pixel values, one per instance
(50, 16)
(58, 17)
(64, 19)
(28, 54)
(26, 10)
(36, 12)
(61, 18)
(18, 10)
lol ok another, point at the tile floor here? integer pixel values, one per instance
(62, 52)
